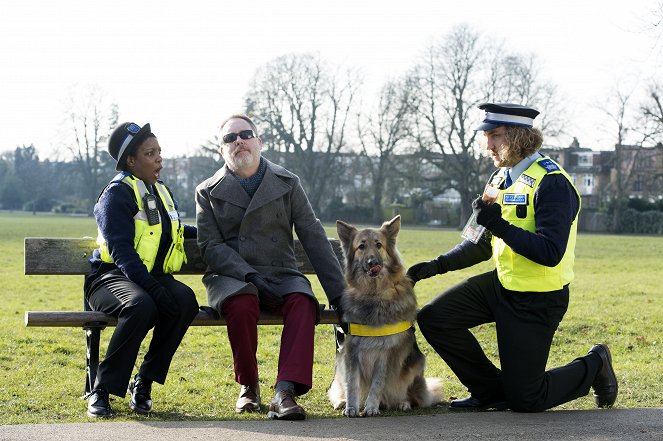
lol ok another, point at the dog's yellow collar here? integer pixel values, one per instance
(378, 331)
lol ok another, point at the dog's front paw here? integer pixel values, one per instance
(405, 406)
(370, 411)
(351, 412)
(339, 405)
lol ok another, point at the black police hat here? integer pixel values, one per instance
(506, 114)
(124, 140)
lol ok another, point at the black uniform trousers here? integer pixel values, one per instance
(525, 325)
(136, 314)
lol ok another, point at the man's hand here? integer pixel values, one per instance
(490, 216)
(166, 302)
(424, 270)
(268, 297)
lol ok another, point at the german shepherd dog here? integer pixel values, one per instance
(383, 371)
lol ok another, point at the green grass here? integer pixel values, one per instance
(616, 298)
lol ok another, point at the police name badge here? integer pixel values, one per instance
(514, 199)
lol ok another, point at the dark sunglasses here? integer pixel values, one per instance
(232, 137)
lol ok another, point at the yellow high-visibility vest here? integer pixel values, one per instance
(518, 273)
(147, 237)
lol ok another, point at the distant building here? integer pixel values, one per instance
(601, 175)
(589, 170)
(641, 168)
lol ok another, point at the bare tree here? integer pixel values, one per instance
(212, 148)
(657, 23)
(303, 106)
(652, 113)
(456, 74)
(448, 89)
(90, 120)
(28, 169)
(616, 110)
(516, 78)
(625, 158)
(383, 132)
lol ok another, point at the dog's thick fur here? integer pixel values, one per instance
(388, 371)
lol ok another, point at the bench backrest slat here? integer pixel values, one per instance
(70, 256)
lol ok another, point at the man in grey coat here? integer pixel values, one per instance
(245, 217)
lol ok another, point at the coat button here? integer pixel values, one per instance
(274, 239)
(242, 238)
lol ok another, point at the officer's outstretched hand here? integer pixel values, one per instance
(166, 303)
(490, 216)
(424, 270)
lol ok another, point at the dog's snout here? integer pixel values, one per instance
(372, 261)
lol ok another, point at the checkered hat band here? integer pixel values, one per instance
(503, 118)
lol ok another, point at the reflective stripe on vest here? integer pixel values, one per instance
(515, 272)
(148, 237)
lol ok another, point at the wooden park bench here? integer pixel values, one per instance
(64, 256)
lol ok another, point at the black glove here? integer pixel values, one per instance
(166, 303)
(424, 270)
(490, 216)
(268, 297)
(337, 306)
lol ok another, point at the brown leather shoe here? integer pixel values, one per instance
(284, 407)
(249, 399)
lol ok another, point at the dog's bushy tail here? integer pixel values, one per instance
(435, 392)
(426, 392)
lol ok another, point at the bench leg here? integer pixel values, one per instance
(92, 338)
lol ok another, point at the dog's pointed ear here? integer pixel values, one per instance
(391, 228)
(346, 234)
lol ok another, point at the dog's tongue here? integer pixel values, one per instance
(375, 269)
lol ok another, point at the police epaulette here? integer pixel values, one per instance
(548, 165)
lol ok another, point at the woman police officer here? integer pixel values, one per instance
(140, 246)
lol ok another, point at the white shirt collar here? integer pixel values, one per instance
(523, 165)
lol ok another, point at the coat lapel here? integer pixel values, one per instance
(272, 187)
(226, 188)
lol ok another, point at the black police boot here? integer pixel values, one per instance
(141, 395)
(605, 383)
(471, 403)
(98, 403)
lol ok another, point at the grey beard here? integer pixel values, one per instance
(244, 162)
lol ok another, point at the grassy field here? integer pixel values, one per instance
(616, 298)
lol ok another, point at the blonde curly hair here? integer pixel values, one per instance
(519, 143)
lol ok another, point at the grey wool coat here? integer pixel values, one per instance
(240, 235)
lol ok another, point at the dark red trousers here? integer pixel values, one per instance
(296, 355)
